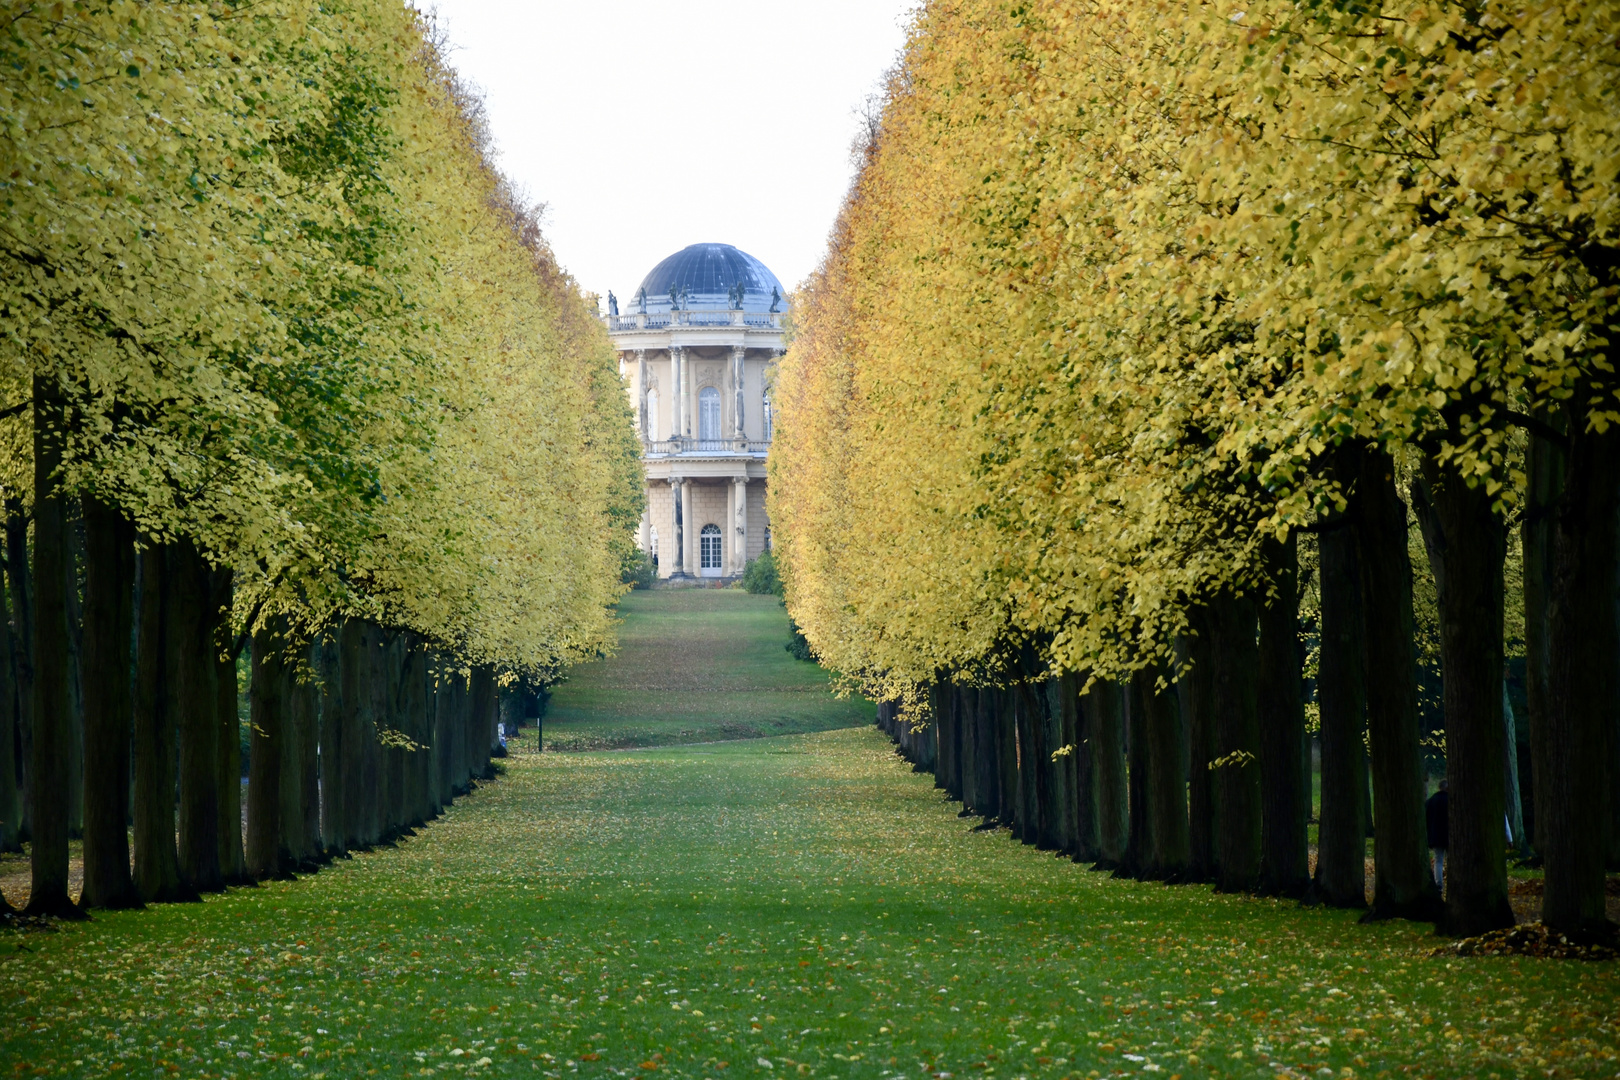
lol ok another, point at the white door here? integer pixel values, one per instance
(709, 551)
(709, 416)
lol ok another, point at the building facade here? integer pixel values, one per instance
(695, 345)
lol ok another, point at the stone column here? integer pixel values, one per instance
(682, 427)
(737, 353)
(645, 535)
(641, 393)
(739, 496)
(671, 558)
(689, 528)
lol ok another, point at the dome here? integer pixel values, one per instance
(704, 277)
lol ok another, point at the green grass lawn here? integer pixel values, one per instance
(695, 665)
(779, 907)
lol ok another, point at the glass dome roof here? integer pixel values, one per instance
(706, 277)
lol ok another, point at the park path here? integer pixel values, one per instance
(803, 905)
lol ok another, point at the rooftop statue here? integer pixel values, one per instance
(776, 299)
(641, 301)
(735, 296)
(613, 303)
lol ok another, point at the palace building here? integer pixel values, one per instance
(695, 344)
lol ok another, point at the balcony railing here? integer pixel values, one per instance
(708, 447)
(764, 320)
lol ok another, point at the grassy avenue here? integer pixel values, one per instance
(794, 905)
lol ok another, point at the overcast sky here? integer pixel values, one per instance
(646, 126)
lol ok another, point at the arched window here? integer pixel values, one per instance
(708, 414)
(709, 550)
(652, 416)
(769, 417)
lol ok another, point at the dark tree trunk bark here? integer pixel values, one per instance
(109, 704)
(1284, 790)
(53, 701)
(1544, 477)
(10, 773)
(1029, 810)
(1583, 690)
(1466, 544)
(195, 697)
(73, 529)
(1341, 693)
(417, 757)
(1087, 845)
(1198, 698)
(358, 786)
(267, 705)
(228, 735)
(1164, 785)
(1237, 743)
(1105, 712)
(309, 763)
(483, 715)
(442, 708)
(1138, 840)
(1058, 762)
(985, 752)
(157, 861)
(22, 644)
(333, 839)
(967, 708)
(1068, 710)
(1006, 756)
(1402, 885)
(939, 704)
(300, 702)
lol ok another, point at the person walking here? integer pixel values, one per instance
(1438, 818)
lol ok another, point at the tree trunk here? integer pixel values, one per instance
(1138, 840)
(1583, 691)
(1284, 790)
(1087, 844)
(1028, 827)
(299, 725)
(483, 717)
(1402, 885)
(939, 705)
(309, 763)
(1105, 712)
(195, 696)
(1007, 756)
(228, 735)
(268, 707)
(10, 773)
(73, 526)
(1544, 479)
(1341, 693)
(967, 707)
(334, 840)
(1466, 545)
(418, 811)
(109, 704)
(157, 861)
(22, 643)
(1197, 703)
(1058, 762)
(357, 642)
(1235, 711)
(1164, 785)
(1068, 708)
(53, 702)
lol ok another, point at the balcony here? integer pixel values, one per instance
(663, 320)
(755, 448)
